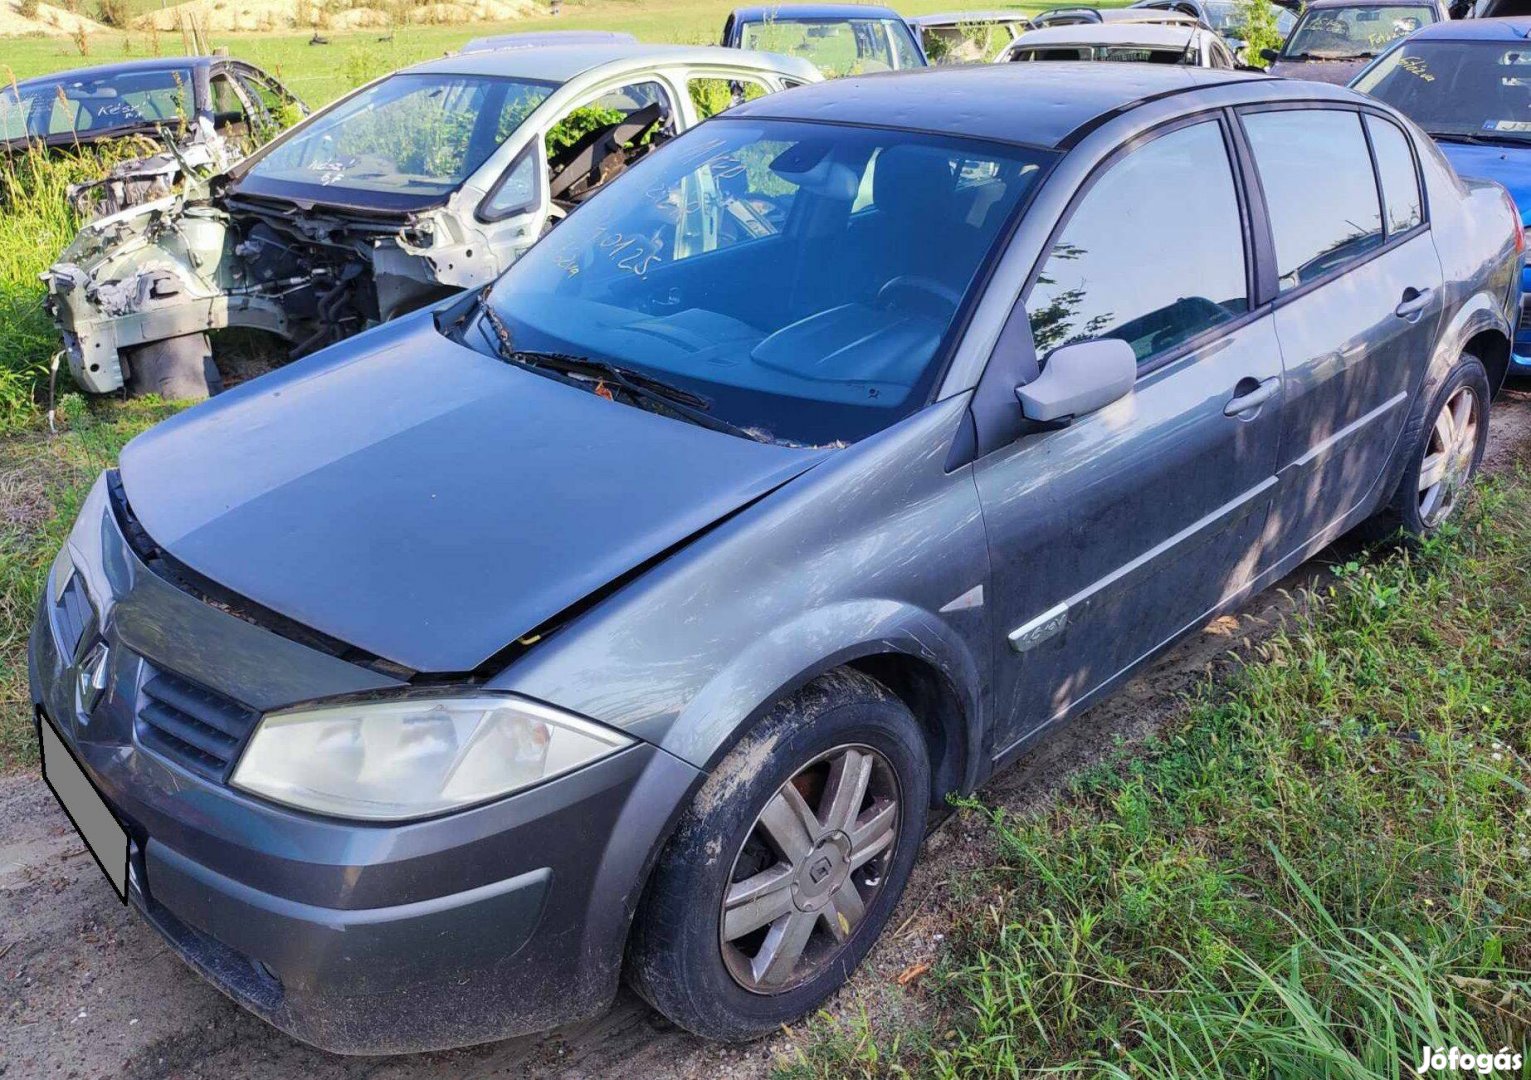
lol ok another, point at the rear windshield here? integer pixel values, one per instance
(50, 108)
(1347, 33)
(838, 47)
(403, 143)
(1132, 54)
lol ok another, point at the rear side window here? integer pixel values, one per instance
(1400, 182)
(1319, 187)
(1191, 273)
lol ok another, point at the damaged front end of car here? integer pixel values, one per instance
(197, 152)
(181, 266)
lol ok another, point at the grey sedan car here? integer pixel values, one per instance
(636, 613)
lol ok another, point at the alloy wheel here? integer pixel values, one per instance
(810, 866)
(1449, 457)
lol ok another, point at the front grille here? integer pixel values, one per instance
(1525, 313)
(74, 615)
(190, 725)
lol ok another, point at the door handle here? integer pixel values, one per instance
(1414, 302)
(1250, 395)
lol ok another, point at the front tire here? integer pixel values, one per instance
(788, 863)
(177, 369)
(1445, 444)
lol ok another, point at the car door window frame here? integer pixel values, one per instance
(1200, 340)
(996, 417)
(1257, 191)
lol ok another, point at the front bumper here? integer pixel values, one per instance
(491, 922)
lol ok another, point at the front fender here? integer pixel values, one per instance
(794, 653)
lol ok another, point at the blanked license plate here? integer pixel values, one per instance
(93, 819)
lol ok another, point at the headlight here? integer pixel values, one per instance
(390, 760)
(62, 572)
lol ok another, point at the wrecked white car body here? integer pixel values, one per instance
(425, 182)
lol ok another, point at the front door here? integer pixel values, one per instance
(1116, 533)
(1358, 308)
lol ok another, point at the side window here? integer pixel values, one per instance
(713, 96)
(281, 110)
(1319, 188)
(611, 108)
(516, 189)
(1395, 167)
(228, 107)
(581, 159)
(1194, 278)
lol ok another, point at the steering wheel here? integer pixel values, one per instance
(921, 290)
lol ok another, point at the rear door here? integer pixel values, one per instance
(1358, 305)
(1114, 534)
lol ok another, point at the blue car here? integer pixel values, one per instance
(632, 616)
(1468, 84)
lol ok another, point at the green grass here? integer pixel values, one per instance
(44, 478)
(1323, 867)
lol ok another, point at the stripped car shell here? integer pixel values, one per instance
(315, 265)
(206, 112)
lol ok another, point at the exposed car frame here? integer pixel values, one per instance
(207, 139)
(313, 272)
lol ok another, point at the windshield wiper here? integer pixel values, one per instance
(1491, 138)
(634, 384)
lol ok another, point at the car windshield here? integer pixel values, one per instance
(403, 143)
(1345, 33)
(799, 279)
(1227, 17)
(1480, 89)
(840, 46)
(1132, 54)
(95, 105)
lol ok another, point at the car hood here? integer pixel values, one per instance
(1336, 72)
(426, 503)
(1507, 165)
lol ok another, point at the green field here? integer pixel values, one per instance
(320, 73)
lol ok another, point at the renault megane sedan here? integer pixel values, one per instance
(633, 615)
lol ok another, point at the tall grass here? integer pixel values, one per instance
(1324, 866)
(36, 224)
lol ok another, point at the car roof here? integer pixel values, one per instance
(541, 38)
(1034, 104)
(127, 67)
(560, 63)
(960, 18)
(788, 12)
(1168, 34)
(1510, 28)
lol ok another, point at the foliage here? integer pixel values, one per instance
(1319, 870)
(1256, 27)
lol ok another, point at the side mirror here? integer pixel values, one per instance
(1080, 379)
(1270, 55)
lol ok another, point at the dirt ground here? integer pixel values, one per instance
(90, 991)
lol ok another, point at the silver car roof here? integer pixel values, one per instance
(560, 63)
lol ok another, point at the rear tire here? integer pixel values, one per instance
(736, 935)
(1445, 443)
(177, 369)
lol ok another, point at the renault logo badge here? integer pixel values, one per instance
(92, 676)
